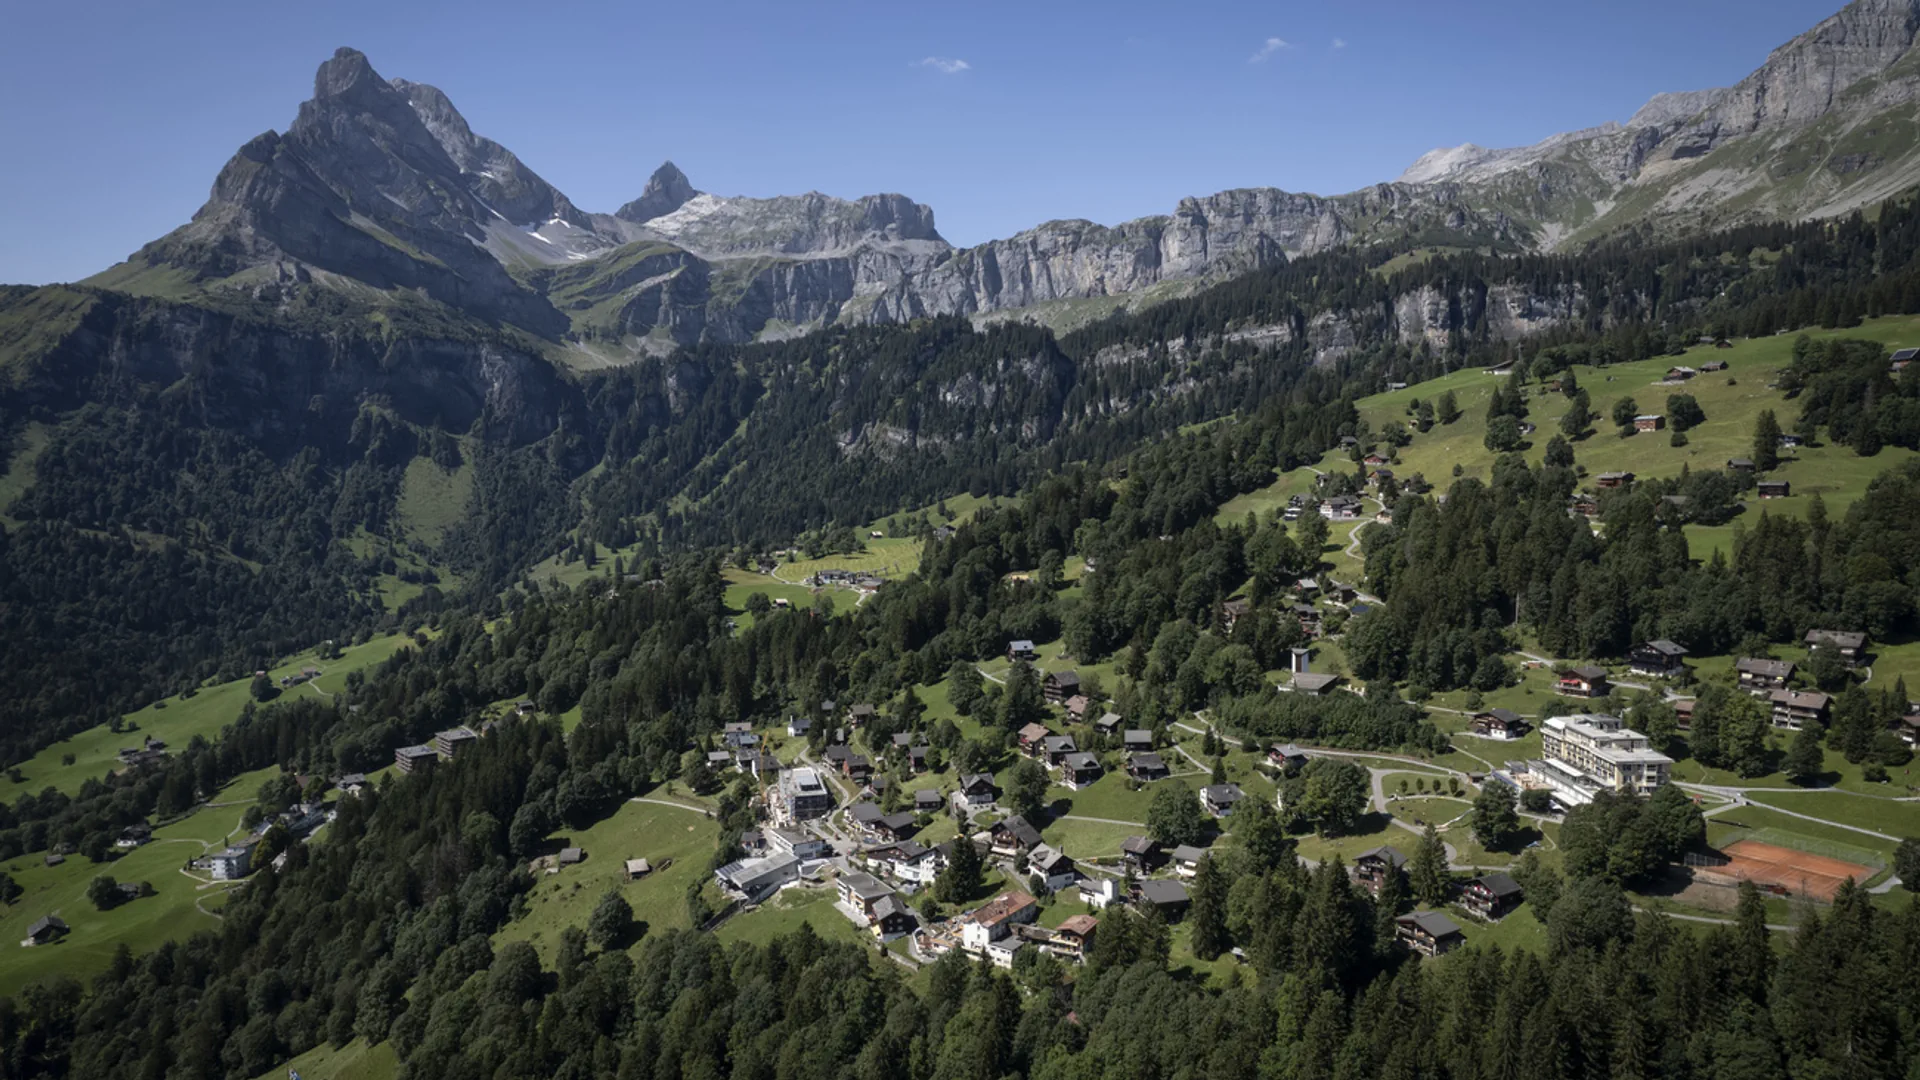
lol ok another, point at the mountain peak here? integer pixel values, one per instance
(347, 71)
(667, 190)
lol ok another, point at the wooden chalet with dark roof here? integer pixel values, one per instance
(1763, 676)
(1428, 933)
(1583, 682)
(1491, 895)
(1849, 645)
(1659, 658)
(1058, 686)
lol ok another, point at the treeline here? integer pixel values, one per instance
(1456, 575)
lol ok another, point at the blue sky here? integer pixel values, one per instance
(117, 114)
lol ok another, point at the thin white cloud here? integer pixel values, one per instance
(1268, 48)
(1339, 43)
(945, 65)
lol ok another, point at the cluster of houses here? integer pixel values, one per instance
(846, 579)
(151, 752)
(305, 675)
(446, 745)
(236, 860)
(1488, 897)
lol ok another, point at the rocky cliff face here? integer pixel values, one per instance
(384, 184)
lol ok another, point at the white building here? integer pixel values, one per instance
(232, 864)
(1593, 752)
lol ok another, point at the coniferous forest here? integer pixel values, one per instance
(184, 526)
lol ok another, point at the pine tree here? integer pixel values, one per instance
(1766, 442)
(1219, 770)
(612, 920)
(1496, 821)
(1803, 760)
(1427, 870)
(1208, 912)
(1449, 408)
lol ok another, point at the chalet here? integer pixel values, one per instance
(890, 918)
(738, 734)
(448, 744)
(907, 861)
(917, 758)
(719, 759)
(944, 532)
(1108, 724)
(1074, 936)
(1490, 895)
(898, 826)
(1902, 358)
(352, 783)
(1428, 933)
(1341, 592)
(636, 869)
(1348, 442)
(1683, 713)
(572, 856)
(1680, 374)
(523, 707)
(1608, 481)
(906, 740)
(1499, 724)
(1220, 799)
(1055, 748)
(1077, 707)
(1058, 686)
(1137, 739)
(1307, 587)
(995, 920)
(1759, 676)
(411, 758)
(1032, 737)
(1142, 853)
(1908, 727)
(861, 713)
(1169, 898)
(1232, 611)
(865, 815)
(1309, 617)
(857, 767)
(1850, 645)
(1053, 866)
(1794, 709)
(1311, 682)
(54, 858)
(1584, 505)
(1018, 651)
(1584, 682)
(1371, 868)
(46, 928)
(926, 801)
(798, 727)
(975, 790)
(134, 835)
(1660, 658)
(1341, 508)
(1740, 465)
(1773, 489)
(1287, 756)
(1791, 442)
(1504, 367)
(1374, 461)
(1717, 365)
(1147, 767)
(1185, 859)
(1100, 893)
(1079, 769)
(1011, 836)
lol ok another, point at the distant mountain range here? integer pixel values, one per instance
(381, 185)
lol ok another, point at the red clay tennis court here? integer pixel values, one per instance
(1784, 870)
